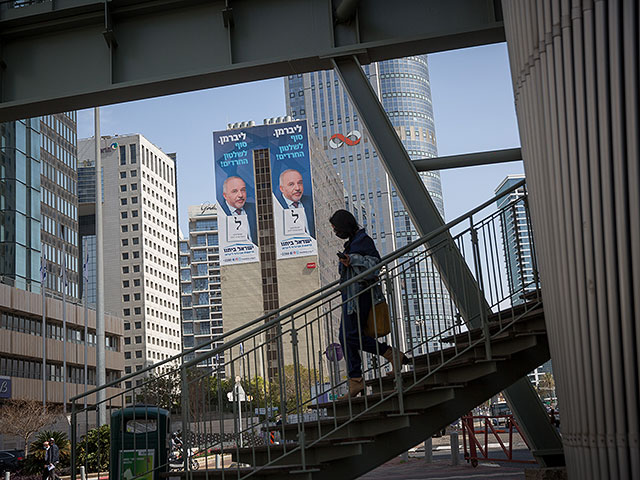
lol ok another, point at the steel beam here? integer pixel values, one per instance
(468, 160)
(72, 54)
(452, 268)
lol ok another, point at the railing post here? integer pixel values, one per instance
(455, 448)
(74, 439)
(428, 450)
(395, 341)
(296, 379)
(481, 301)
(184, 400)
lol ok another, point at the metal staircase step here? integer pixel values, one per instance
(322, 452)
(362, 426)
(420, 398)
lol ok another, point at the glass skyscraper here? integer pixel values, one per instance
(403, 87)
(20, 168)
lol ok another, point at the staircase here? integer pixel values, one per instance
(354, 436)
(272, 412)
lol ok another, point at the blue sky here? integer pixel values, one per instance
(473, 110)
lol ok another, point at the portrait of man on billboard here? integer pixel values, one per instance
(234, 193)
(292, 196)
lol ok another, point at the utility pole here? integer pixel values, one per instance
(101, 373)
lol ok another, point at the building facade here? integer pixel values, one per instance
(403, 87)
(140, 244)
(276, 278)
(21, 347)
(59, 206)
(20, 167)
(200, 288)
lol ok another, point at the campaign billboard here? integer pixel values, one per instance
(235, 195)
(291, 187)
(293, 208)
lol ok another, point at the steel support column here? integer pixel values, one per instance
(451, 266)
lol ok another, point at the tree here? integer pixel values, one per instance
(160, 389)
(93, 450)
(23, 418)
(546, 385)
(35, 459)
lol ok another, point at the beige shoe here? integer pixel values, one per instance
(356, 386)
(402, 358)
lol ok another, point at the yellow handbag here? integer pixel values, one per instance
(382, 324)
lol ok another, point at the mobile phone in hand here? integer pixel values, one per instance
(341, 255)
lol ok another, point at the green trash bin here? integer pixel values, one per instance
(139, 443)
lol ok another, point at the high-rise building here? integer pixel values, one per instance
(140, 243)
(200, 289)
(402, 85)
(518, 257)
(516, 239)
(20, 168)
(286, 249)
(59, 208)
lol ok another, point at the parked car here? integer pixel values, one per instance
(10, 460)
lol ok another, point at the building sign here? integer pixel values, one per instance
(207, 208)
(338, 140)
(236, 199)
(292, 190)
(5, 387)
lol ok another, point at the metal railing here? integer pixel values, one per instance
(273, 395)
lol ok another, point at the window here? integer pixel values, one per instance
(137, 310)
(125, 255)
(127, 340)
(138, 353)
(135, 240)
(136, 268)
(126, 298)
(125, 242)
(138, 325)
(123, 174)
(127, 312)
(134, 186)
(134, 227)
(125, 284)
(136, 282)
(136, 296)
(124, 228)
(134, 199)
(127, 355)
(133, 152)
(138, 338)
(123, 215)
(123, 201)
(134, 213)
(123, 188)
(127, 326)
(125, 269)
(136, 254)
(133, 173)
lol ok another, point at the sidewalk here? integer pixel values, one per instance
(417, 469)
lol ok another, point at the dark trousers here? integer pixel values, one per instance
(353, 338)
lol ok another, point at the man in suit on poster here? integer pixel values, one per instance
(234, 191)
(292, 189)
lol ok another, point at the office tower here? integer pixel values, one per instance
(518, 257)
(59, 206)
(20, 168)
(200, 289)
(516, 240)
(274, 248)
(140, 244)
(402, 85)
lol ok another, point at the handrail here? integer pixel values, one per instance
(302, 302)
